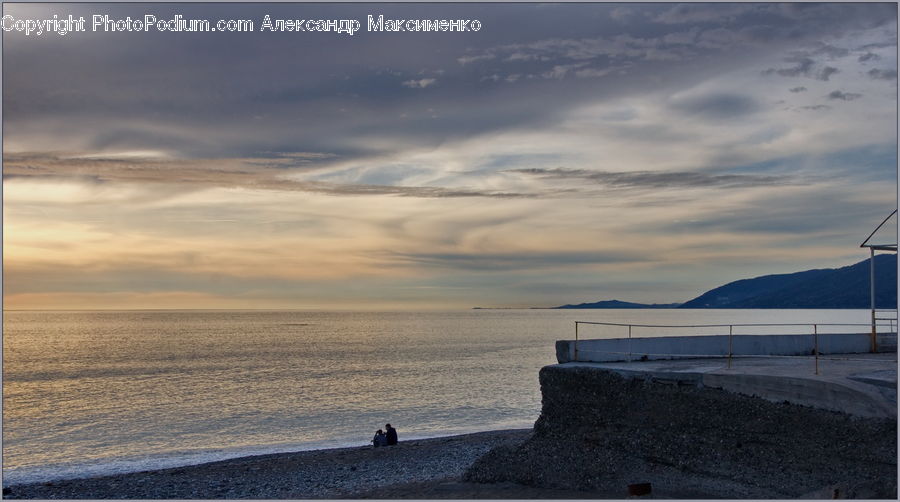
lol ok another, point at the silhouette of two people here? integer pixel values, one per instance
(388, 438)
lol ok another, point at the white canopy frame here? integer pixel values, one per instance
(874, 246)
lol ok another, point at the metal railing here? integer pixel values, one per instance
(888, 317)
(812, 329)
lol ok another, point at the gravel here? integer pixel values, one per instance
(334, 473)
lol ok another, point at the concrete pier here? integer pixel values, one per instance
(862, 385)
(772, 421)
(690, 428)
(674, 347)
(844, 377)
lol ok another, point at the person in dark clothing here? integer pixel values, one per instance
(380, 439)
(391, 434)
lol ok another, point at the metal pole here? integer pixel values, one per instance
(816, 335)
(729, 345)
(874, 344)
(629, 343)
(576, 341)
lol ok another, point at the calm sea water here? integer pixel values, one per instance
(87, 393)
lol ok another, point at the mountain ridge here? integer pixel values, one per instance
(826, 288)
(618, 304)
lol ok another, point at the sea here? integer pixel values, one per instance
(87, 393)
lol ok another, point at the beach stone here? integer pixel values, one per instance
(300, 475)
(639, 489)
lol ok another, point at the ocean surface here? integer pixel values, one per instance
(89, 393)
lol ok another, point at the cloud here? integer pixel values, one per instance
(845, 96)
(622, 14)
(804, 66)
(650, 179)
(601, 72)
(463, 60)
(869, 56)
(805, 212)
(560, 71)
(717, 106)
(260, 174)
(549, 56)
(880, 74)
(419, 84)
(487, 262)
(830, 51)
(557, 140)
(700, 13)
(826, 73)
(890, 42)
(797, 89)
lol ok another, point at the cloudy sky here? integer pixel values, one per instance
(563, 153)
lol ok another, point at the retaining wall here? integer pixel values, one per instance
(599, 432)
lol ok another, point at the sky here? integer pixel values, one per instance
(563, 153)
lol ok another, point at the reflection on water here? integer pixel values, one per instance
(95, 392)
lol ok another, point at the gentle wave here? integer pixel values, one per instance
(107, 467)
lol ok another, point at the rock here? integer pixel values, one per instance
(639, 489)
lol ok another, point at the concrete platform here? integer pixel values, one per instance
(678, 347)
(863, 385)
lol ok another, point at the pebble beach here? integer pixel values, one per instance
(426, 467)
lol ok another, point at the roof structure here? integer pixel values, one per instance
(884, 237)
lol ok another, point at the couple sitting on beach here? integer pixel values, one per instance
(385, 439)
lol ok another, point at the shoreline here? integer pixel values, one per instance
(349, 472)
(179, 460)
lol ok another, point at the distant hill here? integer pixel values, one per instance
(827, 288)
(616, 304)
(840, 288)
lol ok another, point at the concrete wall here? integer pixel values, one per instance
(599, 432)
(673, 347)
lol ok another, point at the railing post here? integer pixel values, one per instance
(816, 335)
(872, 296)
(629, 343)
(730, 329)
(576, 341)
